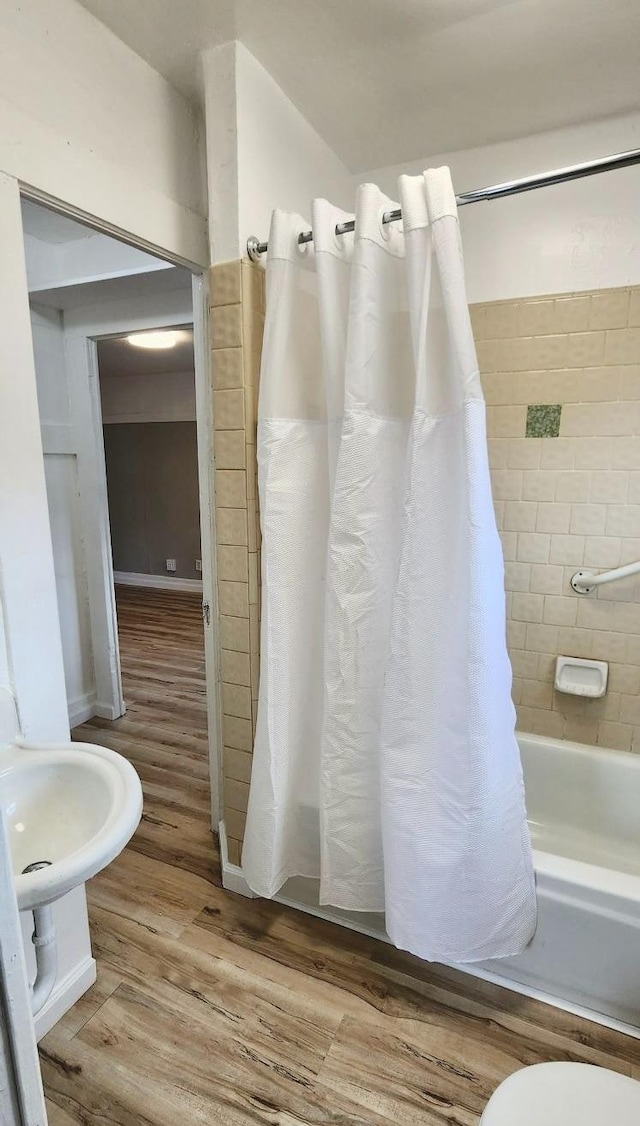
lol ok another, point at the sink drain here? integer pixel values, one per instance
(35, 866)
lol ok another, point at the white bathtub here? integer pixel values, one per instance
(584, 812)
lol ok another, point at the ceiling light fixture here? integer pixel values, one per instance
(154, 339)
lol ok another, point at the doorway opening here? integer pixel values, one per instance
(148, 403)
(127, 454)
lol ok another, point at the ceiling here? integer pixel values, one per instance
(117, 357)
(76, 284)
(147, 284)
(49, 226)
(384, 81)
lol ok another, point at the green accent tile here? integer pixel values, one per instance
(543, 420)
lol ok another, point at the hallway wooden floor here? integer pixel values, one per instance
(211, 1008)
(164, 732)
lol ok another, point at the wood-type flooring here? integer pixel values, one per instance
(212, 1008)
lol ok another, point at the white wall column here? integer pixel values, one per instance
(262, 153)
(35, 670)
(221, 130)
(29, 604)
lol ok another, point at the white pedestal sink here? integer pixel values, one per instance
(73, 805)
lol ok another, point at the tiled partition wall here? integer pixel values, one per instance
(562, 381)
(237, 323)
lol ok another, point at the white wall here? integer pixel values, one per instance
(282, 161)
(86, 120)
(221, 126)
(34, 661)
(26, 562)
(63, 495)
(261, 152)
(165, 397)
(5, 681)
(581, 235)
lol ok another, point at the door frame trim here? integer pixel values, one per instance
(87, 325)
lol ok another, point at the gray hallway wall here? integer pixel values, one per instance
(152, 481)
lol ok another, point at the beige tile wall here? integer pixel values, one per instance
(568, 502)
(237, 322)
(562, 503)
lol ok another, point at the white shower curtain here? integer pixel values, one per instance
(385, 760)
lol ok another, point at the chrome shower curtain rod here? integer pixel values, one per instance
(255, 248)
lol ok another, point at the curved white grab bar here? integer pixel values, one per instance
(583, 582)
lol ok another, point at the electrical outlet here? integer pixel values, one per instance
(198, 564)
(171, 564)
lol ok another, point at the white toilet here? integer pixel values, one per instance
(564, 1094)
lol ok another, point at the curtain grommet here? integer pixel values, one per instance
(385, 229)
(341, 242)
(305, 248)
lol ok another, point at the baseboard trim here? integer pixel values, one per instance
(65, 994)
(157, 582)
(86, 707)
(82, 709)
(106, 711)
(232, 875)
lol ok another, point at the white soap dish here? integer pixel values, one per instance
(579, 677)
